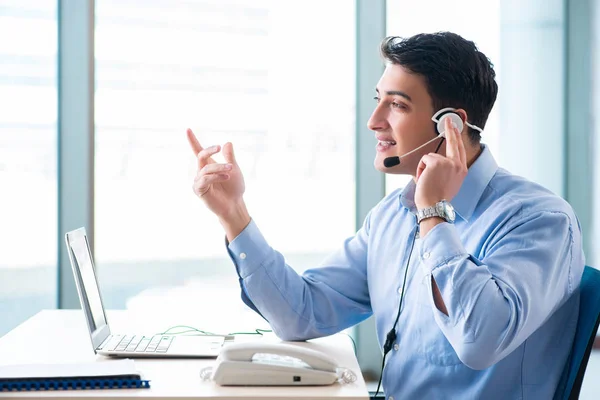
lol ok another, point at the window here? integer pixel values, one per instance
(250, 72)
(28, 204)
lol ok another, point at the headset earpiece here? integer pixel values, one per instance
(456, 121)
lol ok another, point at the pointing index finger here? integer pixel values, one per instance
(194, 143)
(451, 150)
(455, 149)
(197, 149)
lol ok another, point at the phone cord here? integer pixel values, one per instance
(391, 335)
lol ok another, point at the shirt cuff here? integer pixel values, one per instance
(248, 250)
(440, 245)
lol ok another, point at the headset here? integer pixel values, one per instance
(439, 118)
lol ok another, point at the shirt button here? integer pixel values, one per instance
(243, 256)
(391, 398)
(396, 347)
(400, 290)
(426, 255)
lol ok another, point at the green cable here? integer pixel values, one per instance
(189, 329)
(257, 331)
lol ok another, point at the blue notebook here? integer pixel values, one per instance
(106, 374)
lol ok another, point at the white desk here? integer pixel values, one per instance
(61, 336)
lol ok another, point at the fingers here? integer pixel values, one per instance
(228, 153)
(462, 152)
(420, 168)
(204, 183)
(429, 160)
(194, 143)
(205, 154)
(198, 149)
(213, 169)
(455, 148)
(451, 149)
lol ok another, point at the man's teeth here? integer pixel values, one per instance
(387, 142)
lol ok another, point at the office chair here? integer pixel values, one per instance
(585, 334)
(587, 325)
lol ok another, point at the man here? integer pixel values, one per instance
(471, 272)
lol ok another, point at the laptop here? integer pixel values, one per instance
(125, 344)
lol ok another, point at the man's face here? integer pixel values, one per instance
(402, 119)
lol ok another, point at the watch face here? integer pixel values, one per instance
(449, 211)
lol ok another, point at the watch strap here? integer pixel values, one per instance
(428, 212)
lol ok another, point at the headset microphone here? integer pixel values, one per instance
(390, 162)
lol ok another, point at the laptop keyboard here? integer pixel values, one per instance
(138, 343)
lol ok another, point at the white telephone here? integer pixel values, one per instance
(273, 364)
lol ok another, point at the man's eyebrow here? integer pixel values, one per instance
(396, 93)
(399, 93)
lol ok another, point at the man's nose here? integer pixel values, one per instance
(377, 122)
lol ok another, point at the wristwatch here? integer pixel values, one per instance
(443, 209)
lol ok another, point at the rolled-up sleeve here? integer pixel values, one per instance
(494, 304)
(320, 302)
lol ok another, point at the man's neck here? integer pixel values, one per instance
(473, 153)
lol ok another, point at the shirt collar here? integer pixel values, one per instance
(478, 177)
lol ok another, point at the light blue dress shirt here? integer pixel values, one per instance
(508, 271)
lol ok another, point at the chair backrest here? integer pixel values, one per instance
(587, 325)
(585, 334)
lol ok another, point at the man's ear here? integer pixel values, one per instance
(463, 115)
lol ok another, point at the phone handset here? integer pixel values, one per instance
(248, 352)
(279, 364)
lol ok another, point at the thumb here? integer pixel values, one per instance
(228, 153)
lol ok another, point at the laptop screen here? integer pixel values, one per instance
(83, 269)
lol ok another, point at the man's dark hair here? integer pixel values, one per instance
(456, 73)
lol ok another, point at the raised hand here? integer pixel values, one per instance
(438, 177)
(220, 185)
